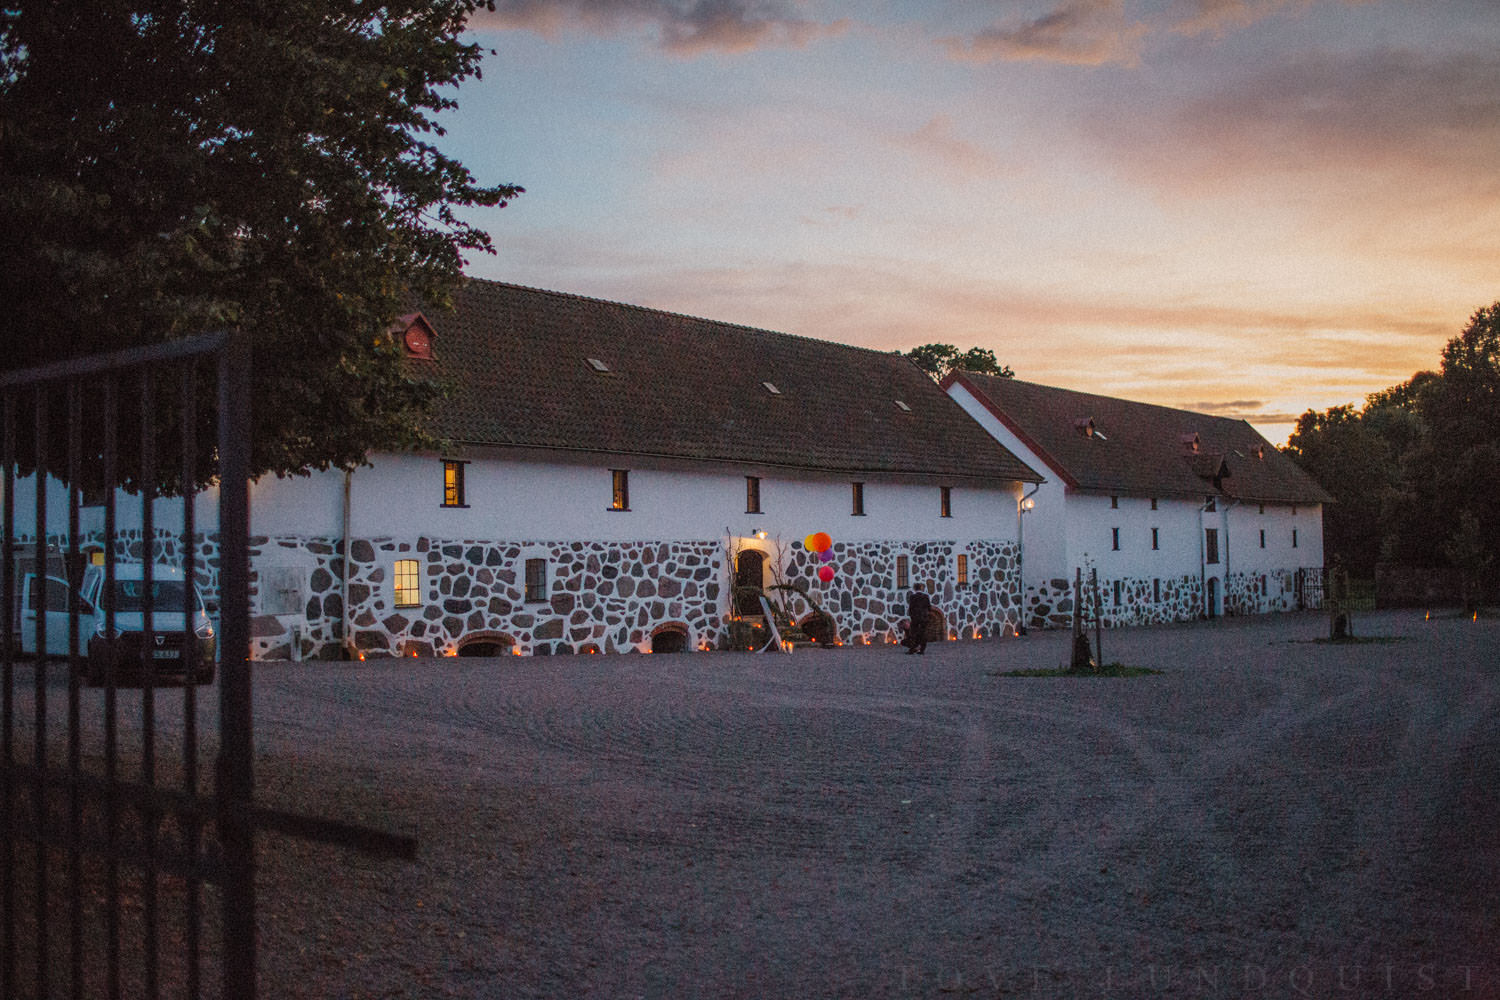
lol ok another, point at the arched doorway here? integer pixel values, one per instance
(1213, 597)
(486, 644)
(669, 639)
(749, 572)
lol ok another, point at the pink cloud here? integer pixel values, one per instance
(1078, 33)
(682, 27)
(938, 140)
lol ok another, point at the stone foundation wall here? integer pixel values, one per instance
(1050, 605)
(1261, 593)
(867, 605)
(1181, 598)
(610, 597)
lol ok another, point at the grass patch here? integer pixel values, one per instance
(1108, 670)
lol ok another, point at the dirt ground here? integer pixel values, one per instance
(1270, 816)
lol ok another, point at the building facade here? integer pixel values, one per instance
(1181, 515)
(613, 479)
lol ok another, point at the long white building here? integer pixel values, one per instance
(1181, 514)
(614, 473)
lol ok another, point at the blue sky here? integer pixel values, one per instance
(1249, 207)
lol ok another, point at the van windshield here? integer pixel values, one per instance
(166, 595)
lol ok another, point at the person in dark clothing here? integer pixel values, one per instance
(918, 610)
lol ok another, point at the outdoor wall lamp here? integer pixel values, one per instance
(1027, 504)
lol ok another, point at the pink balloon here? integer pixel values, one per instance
(825, 573)
(826, 555)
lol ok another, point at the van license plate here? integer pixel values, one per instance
(164, 654)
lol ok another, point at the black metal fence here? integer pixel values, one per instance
(126, 864)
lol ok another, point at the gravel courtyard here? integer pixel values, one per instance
(1270, 816)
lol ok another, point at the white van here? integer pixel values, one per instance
(43, 600)
(168, 648)
(46, 597)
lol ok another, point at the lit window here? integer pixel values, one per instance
(453, 484)
(859, 499)
(752, 494)
(945, 502)
(620, 496)
(962, 570)
(903, 572)
(408, 583)
(536, 579)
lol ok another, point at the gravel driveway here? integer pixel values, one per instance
(1269, 817)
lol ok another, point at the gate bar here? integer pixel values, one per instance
(235, 777)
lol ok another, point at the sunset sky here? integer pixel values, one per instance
(1245, 207)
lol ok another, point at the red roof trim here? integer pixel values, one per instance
(1010, 425)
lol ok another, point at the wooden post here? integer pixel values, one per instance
(1098, 622)
(1081, 654)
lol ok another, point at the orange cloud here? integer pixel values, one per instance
(1077, 33)
(682, 27)
(1218, 17)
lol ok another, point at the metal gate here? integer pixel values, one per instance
(126, 862)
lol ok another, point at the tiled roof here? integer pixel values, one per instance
(684, 388)
(1139, 448)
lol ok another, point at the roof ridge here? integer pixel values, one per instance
(679, 315)
(1122, 399)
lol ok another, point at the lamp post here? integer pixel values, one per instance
(1024, 506)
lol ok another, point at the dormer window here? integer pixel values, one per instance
(415, 335)
(1191, 442)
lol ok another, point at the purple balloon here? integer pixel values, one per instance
(826, 555)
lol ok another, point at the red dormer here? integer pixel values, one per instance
(415, 335)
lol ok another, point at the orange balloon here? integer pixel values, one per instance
(821, 542)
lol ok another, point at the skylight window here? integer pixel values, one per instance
(771, 388)
(901, 405)
(598, 366)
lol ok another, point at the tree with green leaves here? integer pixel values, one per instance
(938, 360)
(1460, 453)
(168, 167)
(1339, 449)
(1414, 470)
